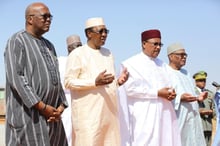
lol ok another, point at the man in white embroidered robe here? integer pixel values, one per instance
(151, 117)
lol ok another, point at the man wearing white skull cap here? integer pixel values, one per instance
(90, 76)
(91, 22)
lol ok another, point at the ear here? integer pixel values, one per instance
(89, 34)
(29, 19)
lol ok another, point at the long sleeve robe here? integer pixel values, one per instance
(94, 108)
(31, 78)
(187, 112)
(151, 119)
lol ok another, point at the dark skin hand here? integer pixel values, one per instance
(104, 78)
(50, 113)
(167, 93)
(186, 97)
(56, 114)
(205, 112)
(202, 96)
(123, 77)
(107, 78)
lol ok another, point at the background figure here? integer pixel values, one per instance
(34, 95)
(72, 41)
(216, 141)
(90, 76)
(206, 107)
(151, 117)
(185, 103)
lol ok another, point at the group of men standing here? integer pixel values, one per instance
(150, 103)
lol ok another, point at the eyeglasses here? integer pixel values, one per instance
(101, 31)
(44, 16)
(181, 54)
(155, 44)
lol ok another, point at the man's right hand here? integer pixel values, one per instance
(49, 112)
(104, 78)
(186, 97)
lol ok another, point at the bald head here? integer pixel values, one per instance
(38, 19)
(34, 8)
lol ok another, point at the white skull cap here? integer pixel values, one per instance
(96, 21)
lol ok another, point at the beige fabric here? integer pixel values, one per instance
(174, 47)
(91, 22)
(213, 129)
(72, 39)
(94, 108)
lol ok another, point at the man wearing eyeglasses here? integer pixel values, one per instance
(206, 107)
(90, 76)
(146, 98)
(34, 95)
(185, 103)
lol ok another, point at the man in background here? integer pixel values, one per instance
(185, 103)
(206, 107)
(72, 41)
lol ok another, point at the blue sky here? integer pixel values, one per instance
(194, 23)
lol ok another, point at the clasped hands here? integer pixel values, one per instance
(167, 93)
(53, 114)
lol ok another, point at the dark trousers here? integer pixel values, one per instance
(208, 136)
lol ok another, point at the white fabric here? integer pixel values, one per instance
(187, 112)
(150, 120)
(66, 115)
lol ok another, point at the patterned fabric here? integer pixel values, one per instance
(50, 65)
(31, 78)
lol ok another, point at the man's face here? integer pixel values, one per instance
(178, 58)
(98, 35)
(41, 19)
(152, 47)
(201, 83)
(74, 46)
